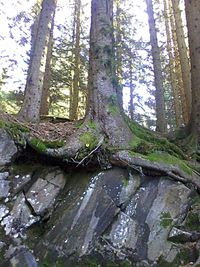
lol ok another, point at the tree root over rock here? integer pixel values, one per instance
(124, 159)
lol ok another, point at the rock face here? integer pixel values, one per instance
(107, 218)
(8, 148)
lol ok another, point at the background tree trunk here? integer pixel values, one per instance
(47, 77)
(173, 80)
(159, 94)
(193, 23)
(76, 66)
(183, 52)
(30, 110)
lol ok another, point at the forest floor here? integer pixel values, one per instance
(50, 129)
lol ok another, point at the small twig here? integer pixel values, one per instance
(99, 144)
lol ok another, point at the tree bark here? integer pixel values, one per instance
(193, 25)
(103, 103)
(44, 109)
(172, 75)
(30, 110)
(76, 66)
(183, 52)
(161, 125)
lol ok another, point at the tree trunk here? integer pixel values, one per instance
(173, 81)
(193, 24)
(131, 106)
(118, 45)
(178, 72)
(103, 103)
(30, 110)
(183, 53)
(76, 66)
(161, 125)
(44, 110)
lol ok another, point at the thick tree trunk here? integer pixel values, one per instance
(183, 52)
(30, 110)
(193, 24)
(161, 124)
(103, 104)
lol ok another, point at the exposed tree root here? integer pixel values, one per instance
(123, 158)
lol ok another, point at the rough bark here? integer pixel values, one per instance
(131, 106)
(119, 52)
(76, 64)
(103, 104)
(183, 52)
(178, 72)
(159, 94)
(47, 77)
(173, 81)
(193, 25)
(30, 110)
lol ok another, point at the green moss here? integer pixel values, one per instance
(168, 159)
(152, 141)
(38, 145)
(16, 131)
(41, 146)
(89, 140)
(92, 125)
(192, 222)
(166, 219)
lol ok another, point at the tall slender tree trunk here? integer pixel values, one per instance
(183, 52)
(119, 52)
(30, 110)
(178, 71)
(76, 65)
(44, 110)
(161, 125)
(131, 106)
(193, 23)
(173, 81)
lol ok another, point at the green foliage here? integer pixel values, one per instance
(166, 219)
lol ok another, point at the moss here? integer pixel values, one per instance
(38, 145)
(166, 219)
(89, 140)
(152, 141)
(41, 145)
(16, 131)
(92, 125)
(192, 222)
(169, 159)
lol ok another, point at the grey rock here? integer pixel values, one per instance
(43, 192)
(4, 185)
(22, 258)
(3, 211)
(19, 181)
(8, 148)
(19, 218)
